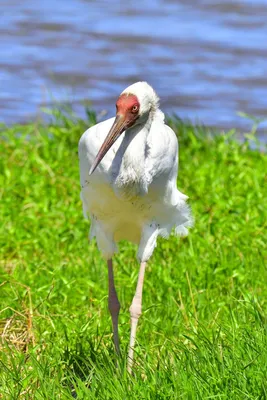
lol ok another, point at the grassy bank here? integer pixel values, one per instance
(202, 334)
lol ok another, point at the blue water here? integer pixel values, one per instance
(207, 60)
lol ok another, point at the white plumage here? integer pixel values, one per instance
(132, 194)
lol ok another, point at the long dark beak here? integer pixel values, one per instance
(116, 130)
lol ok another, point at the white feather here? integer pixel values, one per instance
(132, 194)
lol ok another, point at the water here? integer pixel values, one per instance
(206, 59)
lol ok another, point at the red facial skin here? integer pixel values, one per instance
(127, 113)
(128, 106)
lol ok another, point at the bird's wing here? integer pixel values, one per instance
(89, 145)
(162, 155)
(168, 203)
(93, 138)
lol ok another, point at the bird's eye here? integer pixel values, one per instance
(134, 108)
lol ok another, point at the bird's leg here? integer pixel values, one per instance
(113, 305)
(135, 311)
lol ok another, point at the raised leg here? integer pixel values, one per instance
(113, 305)
(135, 311)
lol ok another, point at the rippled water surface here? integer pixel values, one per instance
(206, 59)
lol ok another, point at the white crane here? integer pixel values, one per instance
(128, 173)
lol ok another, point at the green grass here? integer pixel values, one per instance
(202, 334)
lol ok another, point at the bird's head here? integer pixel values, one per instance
(133, 107)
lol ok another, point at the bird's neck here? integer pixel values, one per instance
(132, 153)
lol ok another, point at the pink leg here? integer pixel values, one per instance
(135, 311)
(113, 305)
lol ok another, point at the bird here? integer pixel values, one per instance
(128, 176)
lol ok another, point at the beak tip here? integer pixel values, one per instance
(91, 170)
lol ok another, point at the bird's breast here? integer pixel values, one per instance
(114, 201)
(129, 172)
(130, 185)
